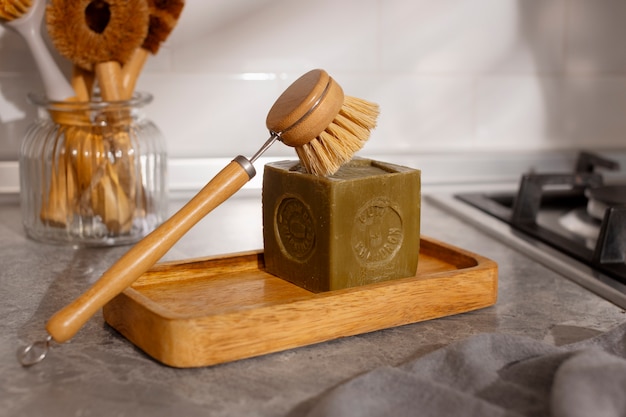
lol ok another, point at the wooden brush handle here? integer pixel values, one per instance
(82, 82)
(109, 75)
(131, 70)
(66, 322)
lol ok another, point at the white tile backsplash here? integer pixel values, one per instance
(592, 41)
(450, 75)
(477, 36)
(595, 110)
(441, 108)
(517, 112)
(277, 36)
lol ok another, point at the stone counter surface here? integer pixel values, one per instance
(99, 373)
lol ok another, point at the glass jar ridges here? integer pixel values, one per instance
(92, 165)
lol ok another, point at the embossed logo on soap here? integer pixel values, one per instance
(295, 228)
(377, 232)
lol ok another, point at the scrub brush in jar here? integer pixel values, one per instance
(164, 15)
(25, 17)
(312, 109)
(99, 36)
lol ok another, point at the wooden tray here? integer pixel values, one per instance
(207, 311)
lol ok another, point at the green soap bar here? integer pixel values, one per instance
(359, 226)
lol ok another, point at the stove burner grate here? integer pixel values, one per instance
(580, 196)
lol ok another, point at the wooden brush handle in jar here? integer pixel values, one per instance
(131, 70)
(66, 322)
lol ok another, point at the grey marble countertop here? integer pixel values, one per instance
(99, 373)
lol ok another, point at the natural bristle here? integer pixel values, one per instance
(164, 15)
(172, 7)
(346, 135)
(13, 9)
(89, 35)
(157, 32)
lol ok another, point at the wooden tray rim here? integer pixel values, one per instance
(480, 263)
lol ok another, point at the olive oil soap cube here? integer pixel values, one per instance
(356, 227)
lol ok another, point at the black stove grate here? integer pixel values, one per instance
(542, 199)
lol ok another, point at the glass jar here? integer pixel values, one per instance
(92, 173)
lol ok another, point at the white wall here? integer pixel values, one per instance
(449, 75)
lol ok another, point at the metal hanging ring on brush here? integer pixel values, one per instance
(301, 113)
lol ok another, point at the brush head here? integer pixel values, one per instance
(88, 32)
(13, 9)
(326, 127)
(342, 138)
(163, 17)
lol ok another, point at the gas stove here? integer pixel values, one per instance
(573, 222)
